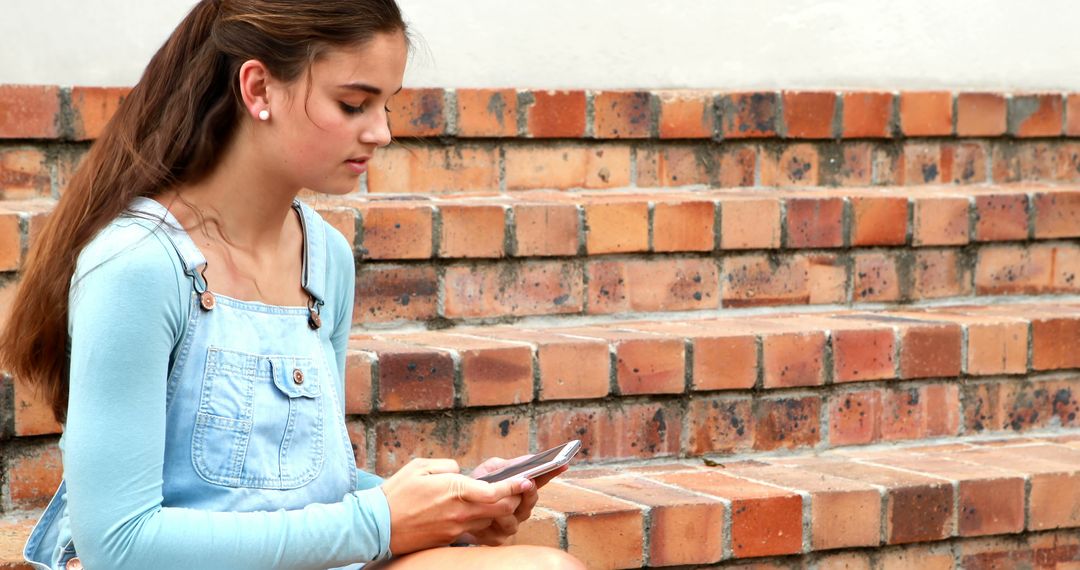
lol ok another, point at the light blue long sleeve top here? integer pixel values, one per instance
(130, 306)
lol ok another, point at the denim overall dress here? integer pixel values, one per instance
(255, 417)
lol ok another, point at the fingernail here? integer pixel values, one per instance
(526, 486)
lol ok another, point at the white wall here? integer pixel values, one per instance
(959, 44)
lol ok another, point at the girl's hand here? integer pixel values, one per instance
(432, 504)
(502, 528)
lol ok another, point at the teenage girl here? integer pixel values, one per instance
(187, 317)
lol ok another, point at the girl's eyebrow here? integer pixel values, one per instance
(366, 88)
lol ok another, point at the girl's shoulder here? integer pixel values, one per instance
(131, 248)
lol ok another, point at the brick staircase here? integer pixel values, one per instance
(821, 330)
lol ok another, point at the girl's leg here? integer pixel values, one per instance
(520, 557)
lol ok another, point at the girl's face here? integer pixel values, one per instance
(330, 121)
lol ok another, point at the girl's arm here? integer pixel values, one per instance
(342, 271)
(125, 317)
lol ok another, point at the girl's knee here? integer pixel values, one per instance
(540, 557)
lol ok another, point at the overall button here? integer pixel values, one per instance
(298, 376)
(74, 564)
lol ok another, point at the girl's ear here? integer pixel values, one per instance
(254, 88)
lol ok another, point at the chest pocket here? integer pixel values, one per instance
(260, 421)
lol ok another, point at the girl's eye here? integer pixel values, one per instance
(350, 110)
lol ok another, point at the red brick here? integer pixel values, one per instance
(396, 293)
(942, 409)
(997, 348)
(876, 277)
(847, 165)
(358, 438)
(24, 174)
(546, 229)
(411, 378)
(815, 222)
(621, 431)
(486, 113)
(1072, 115)
(33, 474)
(903, 415)
(93, 107)
(980, 115)
(787, 423)
(1057, 214)
(542, 529)
(888, 165)
(1068, 161)
(556, 114)
(29, 112)
(930, 350)
(938, 274)
(683, 226)
(855, 418)
(686, 115)
(492, 372)
(531, 288)
(1001, 217)
(433, 170)
(397, 232)
(673, 166)
(418, 113)
(791, 165)
(1054, 342)
(867, 115)
(926, 113)
(724, 362)
(573, 369)
(491, 435)
(924, 557)
(472, 231)
(617, 227)
(749, 115)
(11, 254)
(793, 359)
(759, 280)
(1034, 269)
(686, 528)
(652, 285)
(601, 531)
(863, 354)
(647, 366)
(750, 223)
(969, 163)
(809, 114)
(720, 425)
(765, 520)
(925, 163)
(358, 382)
(941, 220)
(567, 166)
(622, 114)
(1036, 115)
(879, 220)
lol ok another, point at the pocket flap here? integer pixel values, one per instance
(296, 377)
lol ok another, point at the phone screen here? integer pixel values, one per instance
(518, 468)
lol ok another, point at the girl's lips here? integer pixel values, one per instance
(357, 166)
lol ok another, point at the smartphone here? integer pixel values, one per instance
(536, 465)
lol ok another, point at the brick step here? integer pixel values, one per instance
(964, 504)
(669, 389)
(484, 141)
(462, 260)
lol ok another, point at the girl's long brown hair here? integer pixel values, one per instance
(171, 129)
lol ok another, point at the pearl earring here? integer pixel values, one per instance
(264, 115)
